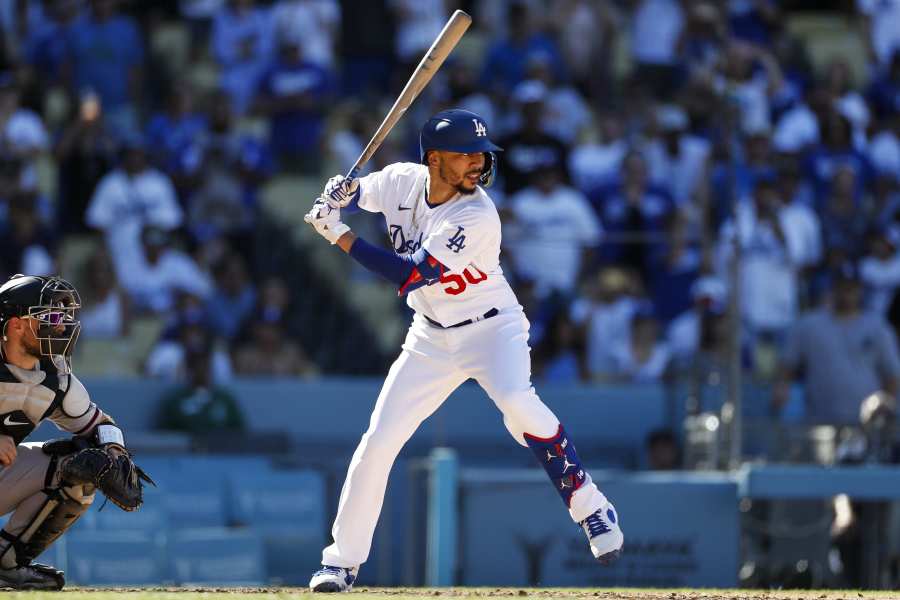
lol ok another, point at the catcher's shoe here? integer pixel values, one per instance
(333, 579)
(603, 533)
(32, 577)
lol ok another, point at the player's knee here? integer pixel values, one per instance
(523, 412)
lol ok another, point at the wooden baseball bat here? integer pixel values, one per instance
(431, 62)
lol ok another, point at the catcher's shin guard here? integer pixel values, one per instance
(63, 506)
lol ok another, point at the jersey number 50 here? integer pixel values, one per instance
(458, 284)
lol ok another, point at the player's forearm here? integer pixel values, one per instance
(345, 242)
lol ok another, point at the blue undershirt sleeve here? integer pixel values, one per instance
(395, 269)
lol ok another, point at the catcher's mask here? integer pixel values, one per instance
(49, 304)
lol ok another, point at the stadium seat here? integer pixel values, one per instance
(288, 510)
(114, 557)
(216, 556)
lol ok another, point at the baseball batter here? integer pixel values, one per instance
(468, 324)
(48, 486)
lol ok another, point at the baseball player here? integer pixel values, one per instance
(48, 486)
(445, 233)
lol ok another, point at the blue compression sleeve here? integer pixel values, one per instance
(395, 269)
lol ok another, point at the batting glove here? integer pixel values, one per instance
(325, 217)
(341, 191)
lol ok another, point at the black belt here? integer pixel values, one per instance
(491, 313)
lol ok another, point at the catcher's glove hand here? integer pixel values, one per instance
(112, 471)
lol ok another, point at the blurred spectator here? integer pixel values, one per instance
(587, 32)
(26, 245)
(677, 159)
(798, 128)
(748, 76)
(656, 27)
(462, 86)
(234, 297)
(46, 46)
(313, 24)
(105, 308)
(128, 199)
(685, 332)
(604, 317)
(529, 149)
(199, 15)
(219, 175)
(293, 94)
(702, 40)
(634, 213)
(881, 26)
(559, 358)
(174, 129)
(732, 179)
(674, 264)
(106, 55)
(848, 102)
(161, 272)
(596, 163)
(507, 58)
(844, 223)
(200, 405)
(367, 46)
(754, 21)
(884, 91)
(85, 153)
(187, 336)
(243, 43)
(663, 452)
(554, 233)
(879, 270)
(566, 114)
(22, 132)
(834, 152)
(645, 356)
(775, 245)
(418, 22)
(846, 355)
(274, 298)
(266, 350)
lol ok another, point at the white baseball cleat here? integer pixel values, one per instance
(603, 533)
(333, 579)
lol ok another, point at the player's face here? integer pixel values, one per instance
(461, 171)
(30, 343)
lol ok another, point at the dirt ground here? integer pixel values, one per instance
(75, 593)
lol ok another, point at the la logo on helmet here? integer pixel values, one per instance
(480, 129)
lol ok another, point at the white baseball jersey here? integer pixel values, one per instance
(462, 233)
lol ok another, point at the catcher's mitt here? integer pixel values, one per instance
(110, 470)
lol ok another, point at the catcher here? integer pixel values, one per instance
(48, 486)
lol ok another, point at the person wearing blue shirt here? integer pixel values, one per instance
(107, 55)
(632, 207)
(507, 60)
(293, 95)
(170, 131)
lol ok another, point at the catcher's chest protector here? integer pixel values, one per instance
(29, 397)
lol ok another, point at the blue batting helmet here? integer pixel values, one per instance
(458, 130)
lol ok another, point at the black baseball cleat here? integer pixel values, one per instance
(32, 577)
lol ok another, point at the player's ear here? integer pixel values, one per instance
(433, 158)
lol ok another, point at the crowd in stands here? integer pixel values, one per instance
(665, 162)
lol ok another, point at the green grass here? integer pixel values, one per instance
(76, 593)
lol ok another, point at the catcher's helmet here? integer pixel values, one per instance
(50, 304)
(460, 130)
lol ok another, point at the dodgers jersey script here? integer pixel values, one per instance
(463, 234)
